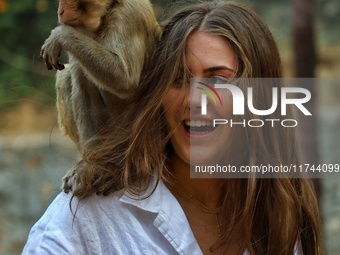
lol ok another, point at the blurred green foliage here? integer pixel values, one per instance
(23, 27)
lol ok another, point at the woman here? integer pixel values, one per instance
(152, 205)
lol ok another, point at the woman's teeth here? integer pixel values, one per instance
(199, 126)
(198, 123)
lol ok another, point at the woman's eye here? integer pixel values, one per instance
(178, 82)
(218, 80)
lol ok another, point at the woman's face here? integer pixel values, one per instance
(194, 139)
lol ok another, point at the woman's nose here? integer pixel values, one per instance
(197, 98)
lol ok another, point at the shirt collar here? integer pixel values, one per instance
(171, 220)
(148, 200)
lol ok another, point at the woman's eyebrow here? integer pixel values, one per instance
(217, 68)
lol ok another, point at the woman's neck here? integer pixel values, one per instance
(208, 191)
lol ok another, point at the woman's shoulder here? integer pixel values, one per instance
(119, 223)
(69, 212)
(68, 207)
(68, 224)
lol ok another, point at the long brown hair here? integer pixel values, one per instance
(271, 215)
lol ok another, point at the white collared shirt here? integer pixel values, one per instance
(116, 224)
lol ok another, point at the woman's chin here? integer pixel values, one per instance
(202, 159)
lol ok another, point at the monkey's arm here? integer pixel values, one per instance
(115, 67)
(66, 117)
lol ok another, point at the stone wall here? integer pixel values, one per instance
(31, 169)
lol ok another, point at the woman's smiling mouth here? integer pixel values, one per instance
(198, 127)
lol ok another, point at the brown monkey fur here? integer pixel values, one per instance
(107, 42)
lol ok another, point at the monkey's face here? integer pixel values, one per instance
(82, 13)
(69, 12)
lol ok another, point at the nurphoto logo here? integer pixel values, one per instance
(302, 96)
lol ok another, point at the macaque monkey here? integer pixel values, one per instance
(107, 42)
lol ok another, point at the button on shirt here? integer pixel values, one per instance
(118, 224)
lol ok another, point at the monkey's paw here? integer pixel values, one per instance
(102, 183)
(51, 51)
(71, 180)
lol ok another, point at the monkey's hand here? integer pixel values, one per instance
(71, 180)
(51, 50)
(101, 184)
